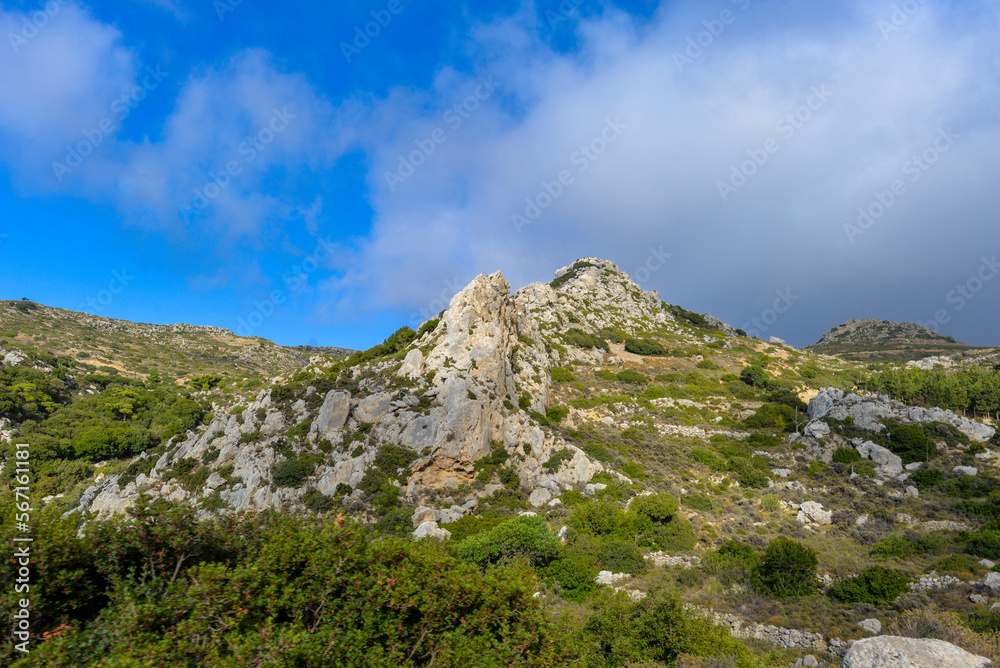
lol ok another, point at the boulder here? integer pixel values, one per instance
(817, 429)
(539, 497)
(992, 583)
(811, 512)
(897, 652)
(965, 470)
(872, 626)
(332, 414)
(431, 530)
(889, 465)
(821, 404)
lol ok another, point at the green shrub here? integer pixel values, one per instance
(892, 545)
(657, 507)
(289, 473)
(677, 535)
(604, 374)
(787, 568)
(846, 456)
(875, 585)
(655, 392)
(581, 339)
(962, 563)
(911, 444)
(524, 401)
(773, 416)
(317, 501)
(709, 365)
(732, 563)
(619, 556)
(709, 459)
(428, 326)
(755, 376)
(574, 573)
(556, 460)
(396, 522)
(556, 414)
(631, 376)
(985, 543)
(634, 470)
(659, 628)
(644, 347)
(562, 375)
(520, 538)
(697, 501)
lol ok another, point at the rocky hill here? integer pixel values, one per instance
(623, 424)
(177, 352)
(884, 340)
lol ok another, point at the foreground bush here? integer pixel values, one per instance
(787, 569)
(875, 585)
(658, 628)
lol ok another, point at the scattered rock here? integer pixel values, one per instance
(912, 491)
(872, 626)
(992, 583)
(978, 598)
(431, 530)
(817, 429)
(539, 497)
(812, 512)
(966, 470)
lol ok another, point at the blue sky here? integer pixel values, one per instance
(274, 170)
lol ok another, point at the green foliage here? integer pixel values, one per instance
(846, 456)
(300, 430)
(985, 543)
(520, 538)
(317, 501)
(911, 444)
(732, 563)
(605, 374)
(659, 508)
(396, 343)
(206, 381)
(697, 501)
(572, 273)
(677, 535)
(396, 522)
(634, 470)
(646, 347)
(428, 326)
(709, 459)
(574, 572)
(394, 461)
(562, 375)
(658, 628)
(631, 376)
(524, 401)
(556, 414)
(696, 319)
(892, 545)
(875, 585)
(581, 339)
(556, 461)
(772, 416)
(709, 365)
(620, 556)
(288, 473)
(787, 568)
(755, 376)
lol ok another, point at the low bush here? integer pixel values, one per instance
(619, 556)
(631, 377)
(646, 347)
(524, 537)
(875, 585)
(787, 568)
(562, 375)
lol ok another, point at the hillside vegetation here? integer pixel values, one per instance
(576, 474)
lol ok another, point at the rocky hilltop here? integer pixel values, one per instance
(885, 340)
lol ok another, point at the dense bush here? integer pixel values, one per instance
(732, 563)
(562, 375)
(289, 473)
(657, 507)
(892, 545)
(659, 628)
(631, 376)
(875, 585)
(911, 444)
(524, 537)
(646, 347)
(755, 376)
(620, 556)
(317, 501)
(773, 416)
(787, 568)
(677, 535)
(846, 456)
(581, 339)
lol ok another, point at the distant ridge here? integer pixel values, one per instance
(874, 340)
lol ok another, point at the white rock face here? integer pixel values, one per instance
(966, 470)
(889, 465)
(817, 429)
(992, 583)
(867, 412)
(609, 578)
(897, 652)
(539, 497)
(872, 626)
(811, 512)
(332, 414)
(431, 530)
